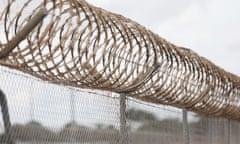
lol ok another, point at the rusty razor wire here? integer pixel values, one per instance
(83, 46)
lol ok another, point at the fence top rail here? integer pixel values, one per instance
(83, 46)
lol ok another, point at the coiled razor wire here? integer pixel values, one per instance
(83, 46)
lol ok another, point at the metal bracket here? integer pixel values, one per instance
(22, 34)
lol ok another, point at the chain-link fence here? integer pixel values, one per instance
(47, 113)
(76, 45)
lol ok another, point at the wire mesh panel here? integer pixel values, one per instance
(153, 124)
(234, 132)
(198, 129)
(42, 112)
(80, 45)
(213, 130)
(48, 113)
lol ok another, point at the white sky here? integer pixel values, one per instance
(209, 27)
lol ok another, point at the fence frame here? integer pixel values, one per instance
(123, 131)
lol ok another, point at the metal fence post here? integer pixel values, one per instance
(227, 130)
(6, 117)
(123, 125)
(185, 126)
(210, 130)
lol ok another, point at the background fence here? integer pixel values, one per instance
(47, 113)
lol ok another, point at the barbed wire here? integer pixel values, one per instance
(111, 95)
(83, 46)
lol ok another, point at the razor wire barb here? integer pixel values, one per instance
(83, 46)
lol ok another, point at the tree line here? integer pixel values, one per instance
(137, 120)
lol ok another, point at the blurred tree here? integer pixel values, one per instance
(140, 115)
(32, 131)
(165, 125)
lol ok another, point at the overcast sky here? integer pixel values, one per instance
(208, 27)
